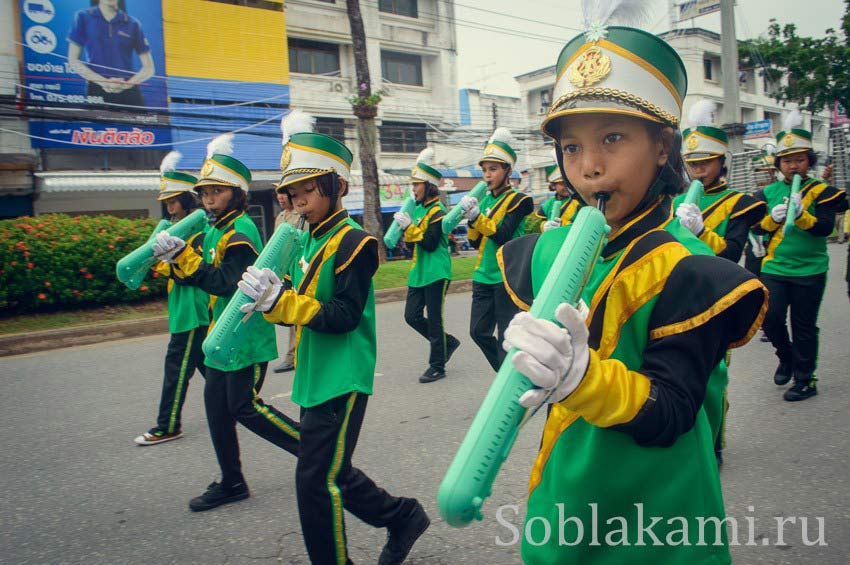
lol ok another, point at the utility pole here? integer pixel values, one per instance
(495, 116)
(729, 65)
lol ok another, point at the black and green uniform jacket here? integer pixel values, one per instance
(500, 220)
(569, 209)
(431, 260)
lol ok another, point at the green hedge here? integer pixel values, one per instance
(56, 261)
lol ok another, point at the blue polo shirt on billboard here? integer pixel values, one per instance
(109, 44)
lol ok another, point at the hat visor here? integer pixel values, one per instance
(493, 159)
(699, 157)
(215, 182)
(591, 106)
(296, 177)
(792, 151)
(167, 195)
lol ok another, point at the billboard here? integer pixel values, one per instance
(696, 8)
(759, 128)
(93, 73)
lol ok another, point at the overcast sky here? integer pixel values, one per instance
(489, 59)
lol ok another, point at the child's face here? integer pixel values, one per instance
(175, 208)
(419, 191)
(494, 174)
(309, 202)
(794, 164)
(283, 200)
(706, 171)
(612, 154)
(560, 189)
(215, 198)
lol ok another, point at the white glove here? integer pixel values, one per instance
(403, 220)
(778, 213)
(757, 245)
(551, 224)
(798, 204)
(554, 358)
(690, 217)
(469, 205)
(167, 247)
(263, 287)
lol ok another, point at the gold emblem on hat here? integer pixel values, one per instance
(490, 149)
(163, 184)
(788, 141)
(285, 158)
(208, 169)
(692, 142)
(593, 66)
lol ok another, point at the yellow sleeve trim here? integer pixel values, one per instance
(718, 307)
(609, 394)
(413, 234)
(187, 263)
(514, 205)
(805, 221)
(752, 206)
(357, 250)
(162, 268)
(838, 194)
(293, 309)
(768, 224)
(717, 243)
(514, 297)
(235, 243)
(484, 225)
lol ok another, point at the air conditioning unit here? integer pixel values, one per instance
(338, 86)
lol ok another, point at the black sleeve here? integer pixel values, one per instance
(756, 227)
(829, 203)
(434, 234)
(358, 259)
(746, 213)
(512, 220)
(221, 281)
(691, 328)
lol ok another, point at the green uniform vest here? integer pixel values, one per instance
(598, 474)
(429, 266)
(262, 345)
(707, 202)
(487, 269)
(330, 365)
(188, 306)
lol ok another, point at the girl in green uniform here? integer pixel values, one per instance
(627, 448)
(231, 393)
(431, 271)
(567, 205)
(188, 313)
(332, 306)
(794, 269)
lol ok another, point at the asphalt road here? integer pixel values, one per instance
(75, 489)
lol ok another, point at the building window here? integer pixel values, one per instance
(399, 137)
(706, 69)
(401, 68)
(313, 57)
(334, 127)
(274, 5)
(775, 121)
(399, 7)
(770, 86)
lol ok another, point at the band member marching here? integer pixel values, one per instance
(567, 205)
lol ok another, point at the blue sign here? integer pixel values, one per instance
(97, 65)
(760, 128)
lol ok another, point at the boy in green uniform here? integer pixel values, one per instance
(332, 306)
(431, 271)
(794, 269)
(568, 206)
(188, 313)
(494, 221)
(231, 393)
(627, 436)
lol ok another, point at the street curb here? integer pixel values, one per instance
(33, 342)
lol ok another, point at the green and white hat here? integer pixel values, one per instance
(763, 162)
(171, 182)
(222, 169)
(793, 139)
(423, 171)
(702, 141)
(307, 154)
(498, 148)
(617, 70)
(553, 174)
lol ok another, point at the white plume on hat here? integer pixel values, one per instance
(793, 120)
(503, 135)
(426, 156)
(597, 15)
(221, 145)
(702, 113)
(296, 121)
(169, 162)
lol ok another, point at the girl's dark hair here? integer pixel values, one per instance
(122, 4)
(188, 201)
(328, 185)
(239, 200)
(431, 190)
(673, 175)
(813, 160)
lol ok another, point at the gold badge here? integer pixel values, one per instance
(490, 149)
(788, 141)
(208, 169)
(285, 158)
(163, 184)
(692, 142)
(593, 66)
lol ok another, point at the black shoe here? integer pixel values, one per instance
(284, 367)
(783, 374)
(452, 343)
(217, 495)
(400, 540)
(431, 375)
(718, 455)
(801, 391)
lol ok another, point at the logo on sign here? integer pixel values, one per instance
(40, 39)
(39, 11)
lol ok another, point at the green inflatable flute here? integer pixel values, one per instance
(469, 479)
(394, 231)
(791, 216)
(233, 327)
(452, 219)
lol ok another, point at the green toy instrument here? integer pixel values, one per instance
(452, 219)
(394, 231)
(555, 210)
(469, 479)
(694, 193)
(133, 267)
(791, 216)
(233, 327)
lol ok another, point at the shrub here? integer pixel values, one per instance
(55, 261)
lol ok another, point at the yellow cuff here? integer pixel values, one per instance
(413, 234)
(162, 268)
(486, 226)
(472, 234)
(805, 221)
(768, 224)
(610, 394)
(187, 262)
(293, 309)
(717, 243)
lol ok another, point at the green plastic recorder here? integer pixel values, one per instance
(452, 219)
(394, 231)
(555, 210)
(133, 267)
(694, 193)
(791, 216)
(469, 480)
(233, 327)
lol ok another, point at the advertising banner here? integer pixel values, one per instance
(696, 8)
(760, 128)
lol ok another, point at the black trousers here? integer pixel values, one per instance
(492, 309)
(232, 397)
(803, 295)
(432, 297)
(183, 356)
(326, 482)
(751, 262)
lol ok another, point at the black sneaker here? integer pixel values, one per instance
(431, 375)
(783, 374)
(801, 391)
(452, 343)
(217, 494)
(718, 455)
(284, 367)
(400, 540)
